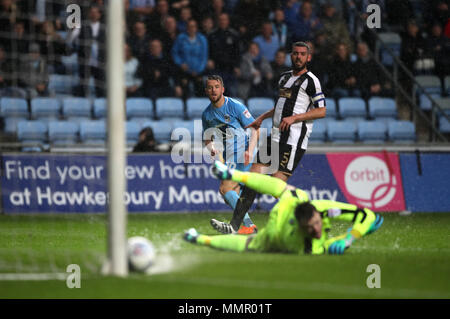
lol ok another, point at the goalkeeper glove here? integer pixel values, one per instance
(376, 224)
(341, 244)
(221, 171)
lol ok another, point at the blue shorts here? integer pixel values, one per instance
(241, 166)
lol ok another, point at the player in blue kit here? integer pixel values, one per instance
(228, 117)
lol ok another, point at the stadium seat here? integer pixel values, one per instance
(447, 84)
(444, 124)
(319, 132)
(45, 108)
(259, 105)
(352, 107)
(393, 41)
(401, 132)
(430, 83)
(62, 84)
(239, 100)
(195, 107)
(169, 107)
(331, 107)
(382, 108)
(181, 128)
(71, 63)
(100, 108)
(13, 110)
(132, 132)
(63, 132)
(93, 132)
(32, 132)
(139, 109)
(372, 132)
(343, 132)
(425, 103)
(162, 130)
(77, 109)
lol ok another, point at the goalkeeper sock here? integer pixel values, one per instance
(243, 205)
(231, 198)
(261, 183)
(225, 242)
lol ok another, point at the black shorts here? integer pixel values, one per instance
(288, 156)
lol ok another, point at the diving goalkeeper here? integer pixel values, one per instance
(296, 225)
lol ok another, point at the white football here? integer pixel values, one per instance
(141, 253)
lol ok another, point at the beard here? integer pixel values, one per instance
(299, 68)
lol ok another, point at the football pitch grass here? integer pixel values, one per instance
(413, 254)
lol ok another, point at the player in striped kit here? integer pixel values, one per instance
(300, 101)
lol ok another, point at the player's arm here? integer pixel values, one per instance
(254, 136)
(257, 123)
(313, 114)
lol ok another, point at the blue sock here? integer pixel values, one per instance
(231, 198)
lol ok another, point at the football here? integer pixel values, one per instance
(141, 254)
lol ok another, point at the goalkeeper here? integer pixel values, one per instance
(296, 225)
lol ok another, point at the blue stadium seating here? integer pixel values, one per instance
(382, 108)
(447, 84)
(63, 132)
(93, 132)
(352, 107)
(444, 124)
(100, 108)
(13, 110)
(32, 132)
(45, 108)
(425, 102)
(393, 41)
(77, 109)
(401, 132)
(139, 109)
(169, 107)
(343, 132)
(162, 130)
(71, 63)
(62, 84)
(132, 132)
(181, 128)
(331, 107)
(372, 132)
(259, 105)
(195, 107)
(430, 83)
(238, 99)
(319, 132)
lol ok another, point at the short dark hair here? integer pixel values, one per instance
(302, 44)
(304, 212)
(214, 77)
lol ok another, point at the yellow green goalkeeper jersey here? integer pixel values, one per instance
(282, 232)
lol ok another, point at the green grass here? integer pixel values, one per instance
(412, 251)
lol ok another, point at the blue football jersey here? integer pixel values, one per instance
(229, 121)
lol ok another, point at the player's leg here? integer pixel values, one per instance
(230, 191)
(238, 243)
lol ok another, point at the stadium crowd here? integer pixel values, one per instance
(173, 44)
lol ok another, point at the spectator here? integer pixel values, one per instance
(33, 74)
(185, 16)
(224, 53)
(155, 21)
(334, 27)
(207, 26)
(306, 24)
(142, 8)
(252, 13)
(256, 74)
(318, 64)
(156, 72)
(280, 29)
(267, 41)
(52, 47)
(16, 48)
(168, 35)
(342, 81)
(138, 40)
(291, 9)
(217, 7)
(6, 88)
(412, 47)
(438, 48)
(190, 54)
(91, 38)
(146, 142)
(132, 82)
(368, 75)
(278, 67)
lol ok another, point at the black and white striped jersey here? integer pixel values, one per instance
(297, 94)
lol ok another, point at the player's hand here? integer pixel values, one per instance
(286, 123)
(256, 124)
(221, 171)
(341, 243)
(376, 224)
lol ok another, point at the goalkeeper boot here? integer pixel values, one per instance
(222, 227)
(244, 230)
(191, 235)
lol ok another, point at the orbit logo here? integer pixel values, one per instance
(371, 180)
(368, 179)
